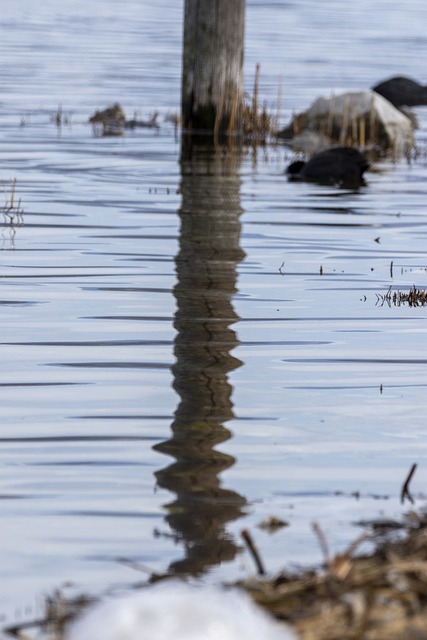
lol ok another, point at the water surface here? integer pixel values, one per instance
(187, 350)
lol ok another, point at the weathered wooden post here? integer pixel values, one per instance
(212, 70)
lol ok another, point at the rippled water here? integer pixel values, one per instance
(188, 350)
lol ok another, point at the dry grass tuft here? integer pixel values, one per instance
(259, 125)
(413, 298)
(378, 596)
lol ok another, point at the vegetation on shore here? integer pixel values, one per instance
(380, 594)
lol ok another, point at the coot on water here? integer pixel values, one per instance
(341, 166)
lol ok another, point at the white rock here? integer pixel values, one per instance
(361, 118)
(177, 611)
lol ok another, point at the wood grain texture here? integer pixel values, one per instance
(212, 75)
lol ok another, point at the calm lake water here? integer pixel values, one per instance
(173, 366)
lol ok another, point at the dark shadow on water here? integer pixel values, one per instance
(206, 268)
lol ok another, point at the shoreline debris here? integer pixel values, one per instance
(112, 121)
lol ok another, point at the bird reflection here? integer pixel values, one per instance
(206, 264)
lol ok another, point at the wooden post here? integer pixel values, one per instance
(212, 70)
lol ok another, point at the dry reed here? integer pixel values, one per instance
(12, 210)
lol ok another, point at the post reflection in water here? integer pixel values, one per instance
(206, 264)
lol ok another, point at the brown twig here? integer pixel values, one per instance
(322, 542)
(405, 493)
(253, 551)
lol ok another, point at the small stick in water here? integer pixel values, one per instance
(405, 488)
(322, 542)
(253, 550)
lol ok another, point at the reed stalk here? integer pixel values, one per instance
(345, 118)
(255, 99)
(331, 115)
(362, 139)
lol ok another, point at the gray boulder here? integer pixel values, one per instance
(361, 119)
